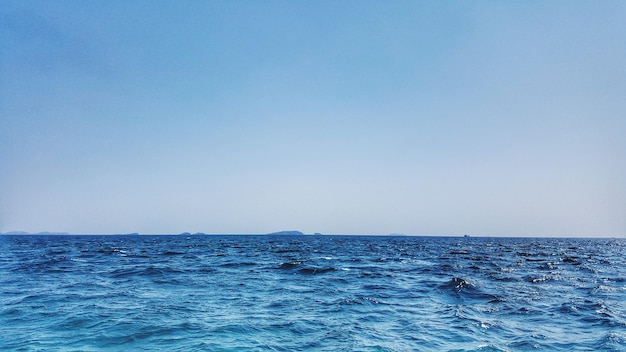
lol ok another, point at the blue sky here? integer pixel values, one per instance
(359, 117)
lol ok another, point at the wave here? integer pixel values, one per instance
(198, 293)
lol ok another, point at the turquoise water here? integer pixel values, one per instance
(311, 293)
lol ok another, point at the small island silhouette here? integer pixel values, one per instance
(286, 233)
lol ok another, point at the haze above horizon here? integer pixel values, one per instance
(424, 118)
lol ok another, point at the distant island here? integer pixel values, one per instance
(43, 233)
(286, 233)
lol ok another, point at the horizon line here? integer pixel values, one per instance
(298, 233)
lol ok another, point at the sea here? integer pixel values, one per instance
(311, 293)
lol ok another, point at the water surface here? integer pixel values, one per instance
(311, 293)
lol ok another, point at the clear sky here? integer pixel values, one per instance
(495, 118)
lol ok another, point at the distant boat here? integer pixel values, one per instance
(466, 235)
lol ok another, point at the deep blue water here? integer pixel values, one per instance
(311, 293)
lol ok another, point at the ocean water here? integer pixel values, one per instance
(311, 293)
